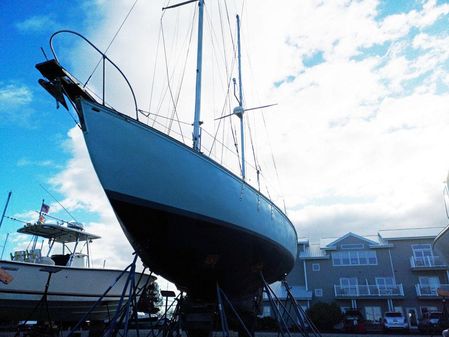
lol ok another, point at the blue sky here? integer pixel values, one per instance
(32, 132)
(359, 134)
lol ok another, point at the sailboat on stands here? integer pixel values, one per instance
(190, 219)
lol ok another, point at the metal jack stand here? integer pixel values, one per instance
(126, 303)
(223, 319)
(44, 300)
(289, 314)
(169, 327)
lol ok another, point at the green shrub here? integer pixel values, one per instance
(325, 315)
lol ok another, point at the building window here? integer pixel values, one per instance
(373, 314)
(354, 258)
(386, 285)
(319, 292)
(385, 282)
(352, 246)
(423, 255)
(348, 286)
(315, 267)
(428, 285)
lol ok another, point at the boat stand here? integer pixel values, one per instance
(43, 302)
(126, 308)
(222, 314)
(289, 315)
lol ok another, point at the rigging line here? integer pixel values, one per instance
(213, 37)
(225, 104)
(168, 76)
(445, 197)
(226, 101)
(147, 113)
(234, 136)
(110, 43)
(266, 128)
(174, 102)
(256, 163)
(162, 126)
(218, 58)
(227, 98)
(184, 68)
(58, 202)
(230, 29)
(154, 69)
(273, 158)
(223, 145)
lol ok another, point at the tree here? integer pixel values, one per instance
(151, 299)
(325, 315)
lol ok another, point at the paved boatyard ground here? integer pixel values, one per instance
(132, 333)
(146, 332)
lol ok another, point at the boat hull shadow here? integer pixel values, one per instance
(197, 253)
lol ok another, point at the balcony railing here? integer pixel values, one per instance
(369, 291)
(429, 291)
(427, 262)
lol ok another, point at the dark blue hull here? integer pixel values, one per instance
(196, 253)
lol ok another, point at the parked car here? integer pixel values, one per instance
(445, 333)
(394, 320)
(354, 322)
(430, 321)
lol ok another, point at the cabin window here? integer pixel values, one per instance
(315, 267)
(319, 292)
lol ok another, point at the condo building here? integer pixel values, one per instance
(395, 270)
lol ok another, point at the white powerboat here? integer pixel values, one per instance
(58, 286)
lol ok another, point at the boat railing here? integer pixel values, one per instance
(104, 60)
(32, 256)
(181, 131)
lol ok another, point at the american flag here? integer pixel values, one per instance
(45, 208)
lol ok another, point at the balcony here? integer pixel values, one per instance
(427, 263)
(368, 291)
(427, 291)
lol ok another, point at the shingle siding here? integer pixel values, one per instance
(393, 261)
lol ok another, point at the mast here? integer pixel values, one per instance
(4, 209)
(199, 60)
(240, 111)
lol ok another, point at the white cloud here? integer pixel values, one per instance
(41, 163)
(13, 96)
(360, 139)
(15, 104)
(79, 185)
(36, 24)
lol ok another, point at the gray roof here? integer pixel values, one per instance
(410, 233)
(313, 250)
(328, 242)
(318, 250)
